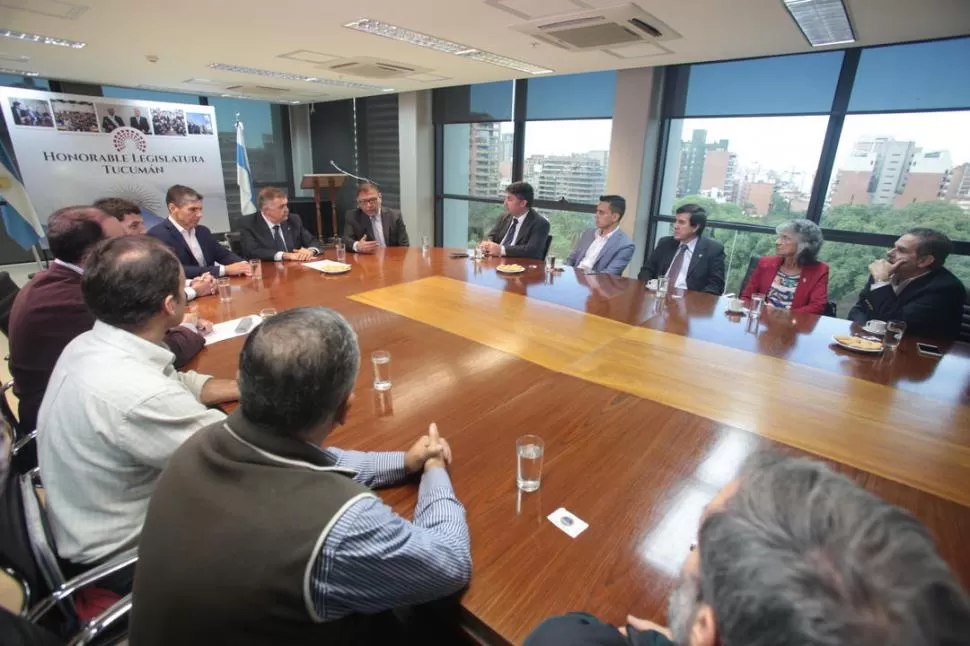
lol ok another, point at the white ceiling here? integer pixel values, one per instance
(187, 35)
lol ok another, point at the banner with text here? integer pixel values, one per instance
(75, 149)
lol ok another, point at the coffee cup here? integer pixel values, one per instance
(735, 304)
(652, 284)
(876, 327)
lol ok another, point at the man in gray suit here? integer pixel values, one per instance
(371, 225)
(605, 249)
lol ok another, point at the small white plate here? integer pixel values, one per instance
(854, 349)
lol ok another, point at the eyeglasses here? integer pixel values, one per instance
(369, 200)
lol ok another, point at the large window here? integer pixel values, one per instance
(552, 132)
(761, 141)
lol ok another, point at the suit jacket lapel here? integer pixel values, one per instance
(527, 223)
(697, 254)
(386, 225)
(607, 248)
(367, 226)
(181, 240)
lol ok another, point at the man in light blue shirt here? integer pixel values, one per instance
(604, 249)
(255, 513)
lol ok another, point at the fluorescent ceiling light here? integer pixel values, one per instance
(294, 77)
(44, 40)
(10, 70)
(404, 35)
(823, 22)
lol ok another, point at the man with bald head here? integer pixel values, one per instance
(793, 553)
(50, 311)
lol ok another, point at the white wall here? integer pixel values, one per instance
(416, 138)
(301, 146)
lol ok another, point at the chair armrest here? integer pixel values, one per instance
(90, 577)
(102, 622)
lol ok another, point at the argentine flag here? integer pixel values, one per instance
(19, 216)
(243, 177)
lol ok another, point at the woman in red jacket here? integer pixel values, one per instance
(794, 279)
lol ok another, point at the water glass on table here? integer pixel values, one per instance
(257, 267)
(425, 243)
(267, 313)
(662, 286)
(529, 450)
(757, 304)
(381, 361)
(550, 263)
(225, 290)
(341, 249)
(894, 334)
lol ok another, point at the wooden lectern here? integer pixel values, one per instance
(332, 181)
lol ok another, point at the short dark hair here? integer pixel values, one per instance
(523, 191)
(617, 204)
(698, 216)
(127, 280)
(296, 369)
(117, 207)
(367, 186)
(73, 231)
(932, 243)
(178, 193)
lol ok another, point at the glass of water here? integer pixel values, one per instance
(257, 267)
(341, 249)
(382, 369)
(225, 290)
(894, 334)
(757, 303)
(662, 286)
(550, 263)
(266, 313)
(425, 243)
(529, 450)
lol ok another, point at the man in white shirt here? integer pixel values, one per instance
(193, 244)
(521, 232)
(115, 408)
(605, 249)
(687, 259)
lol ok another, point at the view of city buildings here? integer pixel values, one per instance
(878, 171)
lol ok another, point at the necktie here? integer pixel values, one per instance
(674, 273)
(278, 237)
(510, 236)
(378, 231)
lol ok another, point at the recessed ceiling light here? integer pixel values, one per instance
(294, 77)
(10, 70)
(404, 35)
(44, 40)
(822, 22)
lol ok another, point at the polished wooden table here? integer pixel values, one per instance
(647, 406)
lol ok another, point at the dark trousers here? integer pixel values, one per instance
(582, 629)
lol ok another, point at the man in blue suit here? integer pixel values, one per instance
(605, 249)
(193, 243)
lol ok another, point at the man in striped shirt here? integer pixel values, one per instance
(257, 534)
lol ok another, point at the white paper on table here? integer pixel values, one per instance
(227, 329)
(568, 522)
(330, 265)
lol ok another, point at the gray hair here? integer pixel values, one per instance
(809, 239)
(296, 369)
(802, 556)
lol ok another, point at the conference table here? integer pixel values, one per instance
(647, 407)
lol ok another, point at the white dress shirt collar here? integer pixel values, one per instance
(70, 266)
(153, 353)
(271, 224)
(178, 226)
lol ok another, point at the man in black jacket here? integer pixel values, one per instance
(372, 225)
(914, 287)
(688, 260)
(521, 232)
(275, 234)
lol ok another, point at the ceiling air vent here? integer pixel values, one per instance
(262, 91)
(599, 29)
(371, 68)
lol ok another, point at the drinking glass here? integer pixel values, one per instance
(425, 243)
(257, 267)
(382, 369)
(225, 290)
(529, 450)
(894, 334)
(550, 263)
(341, 249)
(267, 313)
(757, 303)
(662, 286)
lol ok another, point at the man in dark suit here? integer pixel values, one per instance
(111, 121)
(521, 232)
(371, 226)
(913, 286)
(139, 122)
(274, 234)
(193, 243)
(688, 260)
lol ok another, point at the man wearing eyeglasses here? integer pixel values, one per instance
(372, 226)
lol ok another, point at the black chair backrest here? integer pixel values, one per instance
(8, 292)
(235, 242)
(831, 309)
(965, 324)
(752, 263)
(545, 251)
